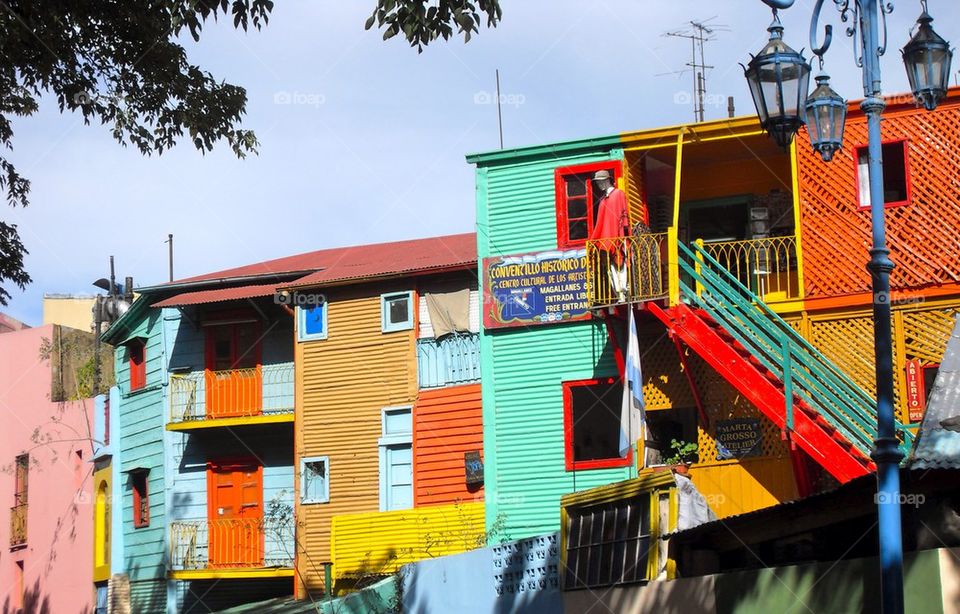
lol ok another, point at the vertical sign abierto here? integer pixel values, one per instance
(916, 395)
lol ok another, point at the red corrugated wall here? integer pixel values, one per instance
(447, 423)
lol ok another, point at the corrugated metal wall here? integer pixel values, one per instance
(522, 369)
(343, 382)
(380, 543)
(446, 423)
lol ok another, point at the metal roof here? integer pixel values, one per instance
(217, 295)
(418, 256)
(938, 440)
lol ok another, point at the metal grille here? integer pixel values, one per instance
(768, 267)
(233, 543)
(626, 269)
(236, 392)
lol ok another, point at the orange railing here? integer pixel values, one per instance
(231, 544)
(205, 395)
(18, 525)
(627, 269)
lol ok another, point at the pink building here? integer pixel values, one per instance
(46, 544)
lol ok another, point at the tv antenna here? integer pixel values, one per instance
(698, 33)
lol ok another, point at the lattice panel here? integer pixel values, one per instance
(926, 333)
(665, 385)
(922, 235)
(848, 342)
(634, 175)
(723, 402)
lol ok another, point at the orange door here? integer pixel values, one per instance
(233, 378)
(235, 504)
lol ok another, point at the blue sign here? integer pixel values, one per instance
(539, 288)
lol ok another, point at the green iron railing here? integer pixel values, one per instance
(804, 370)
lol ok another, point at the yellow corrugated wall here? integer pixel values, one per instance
(381, 542)
(343, 383)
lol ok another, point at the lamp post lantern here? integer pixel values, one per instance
(778, 77)
(927, 58)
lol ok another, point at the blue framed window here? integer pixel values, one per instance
(315, 479)
(396, 459)
(396, 311)
(312, 322)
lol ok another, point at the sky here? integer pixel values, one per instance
(363, 141)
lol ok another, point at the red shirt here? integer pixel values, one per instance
(613, 217)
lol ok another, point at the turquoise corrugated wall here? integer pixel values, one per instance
(141, 437)
(522, 369)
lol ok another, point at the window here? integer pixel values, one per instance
(396, 311)
(315, 480)
(591, 414)
(312, 322)
(136, 350)
(18, 513)
(141, 498)
(396, 459)
(896, 175)
(578, 201)
(608, 544)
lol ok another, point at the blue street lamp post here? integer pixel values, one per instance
(776, 72)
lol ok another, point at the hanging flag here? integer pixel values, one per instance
(633, 420)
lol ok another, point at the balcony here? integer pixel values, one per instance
(455, 359)
(18, 526)
(379, 543)
(639, 268)
(237, 547)
(237, 396)
(627, 269)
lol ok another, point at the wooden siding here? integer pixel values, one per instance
(381, 542)
(343, 383)
(141, 445)
(921, 235)
(446, 423)
(737, 487)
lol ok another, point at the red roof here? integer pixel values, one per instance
(217, 295)
(357, 262)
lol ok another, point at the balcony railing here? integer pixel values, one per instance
(209, 395)
(231, 544)
(767, 266)
(18, 525)
(455, 359)
(626, 269)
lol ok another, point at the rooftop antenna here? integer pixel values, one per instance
(698, 33)
(499, 114)
(169, 242)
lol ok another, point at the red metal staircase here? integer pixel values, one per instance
(815, 435)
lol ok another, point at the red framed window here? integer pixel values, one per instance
(897, 188)
(577, 200)
(137, 353)
(141, 498)
(591, 423)
(232, 345)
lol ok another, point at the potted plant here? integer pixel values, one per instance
(683, 454)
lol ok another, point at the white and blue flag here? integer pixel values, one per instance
(633, 419)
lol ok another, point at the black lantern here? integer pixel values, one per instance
(826, 114)
(927, 58)
(778, 78)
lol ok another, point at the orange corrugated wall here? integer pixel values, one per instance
(447, 423)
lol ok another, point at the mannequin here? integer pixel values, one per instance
(613, 221)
